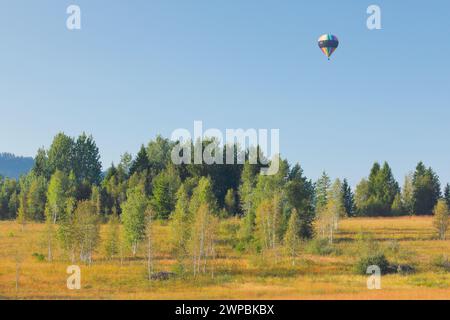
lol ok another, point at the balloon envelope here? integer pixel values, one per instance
(328, 43)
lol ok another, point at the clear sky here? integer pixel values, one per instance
(139, 68)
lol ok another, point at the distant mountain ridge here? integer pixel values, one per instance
(13, 166)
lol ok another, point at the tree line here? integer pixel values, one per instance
(67, 189)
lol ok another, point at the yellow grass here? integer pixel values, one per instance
(237, 276)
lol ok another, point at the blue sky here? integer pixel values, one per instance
(139, 68)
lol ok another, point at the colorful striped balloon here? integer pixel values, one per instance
(328, 43)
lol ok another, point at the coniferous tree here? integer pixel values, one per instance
(41, 164)
(300, 195)
(447, 194)
(427, 189)
(9, 197)
(141, 163)
(397, 206)
(165, 186)
(322, 188)
(374, 196)
(86, 166)
(348, 199)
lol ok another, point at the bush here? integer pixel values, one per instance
(39, 256)
(378, 259)
(442, 262)
(320, 247)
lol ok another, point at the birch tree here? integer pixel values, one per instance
(133, 216)
(87, 224)
(112, 241)
(203, 238)
(292, 236)
(441, 218)
(269, 223)
(150, 241)
(180, 227)
(328, 217)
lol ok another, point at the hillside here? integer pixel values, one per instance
(13, 166)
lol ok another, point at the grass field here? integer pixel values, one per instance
(238, 275)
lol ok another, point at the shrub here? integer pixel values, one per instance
(378, 259)
(39, 256)
(442, 262)
(320, 247)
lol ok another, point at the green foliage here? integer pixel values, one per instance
(320, 247)
(441, 218)
(126, 161)
(141, 163)
(203, 237)
(57, 195)
(203, 194)
(9, 200)
(113, 189)
(32, 198)
(39, 256)
(269, 223)
(447, 194)
(300, 196)
(427, 189)
(292, 236)
(230, 202)
(442, 262)
(322, 188)
(41, 164)
(348, 199)
(158, 152)
(61, 154)
(408, 195)
(133, 216)
(165, 186)
(112, 241)
(87, 229)
(180, 227)
(87, 166)
(247, 200)
(377, 259)
(397, 208)
(375, 196)
(328, 217)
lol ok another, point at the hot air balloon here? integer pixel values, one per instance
(328, 43)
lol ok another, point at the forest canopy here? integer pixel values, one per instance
(71, 169)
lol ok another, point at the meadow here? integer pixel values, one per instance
(24, 274)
